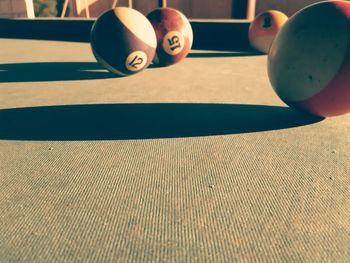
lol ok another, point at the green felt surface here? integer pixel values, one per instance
(196, 162)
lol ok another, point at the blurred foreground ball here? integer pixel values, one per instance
(174, 35)
(309, 60)
(123, 41)
(264, 28)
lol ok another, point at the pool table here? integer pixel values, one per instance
(200, 161)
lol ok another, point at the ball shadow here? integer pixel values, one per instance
(52, 71)
(144, 121)
(214, 54)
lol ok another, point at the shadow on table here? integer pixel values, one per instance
(64, 71)
(144, 121)
(52, 71)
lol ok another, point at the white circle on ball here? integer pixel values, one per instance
(173, 42)
(136, 61)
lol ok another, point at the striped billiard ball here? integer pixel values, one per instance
(123, 41)
(264, 28)
(309, 60)
(174, 35)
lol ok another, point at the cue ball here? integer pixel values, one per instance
(309, 60)
(264, 28)
(174, 35)
(123, 41)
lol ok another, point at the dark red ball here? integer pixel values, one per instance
(174, 35)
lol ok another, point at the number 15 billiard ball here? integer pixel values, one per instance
(174, 35)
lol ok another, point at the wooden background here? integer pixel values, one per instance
(206, 9)
(16, 8)
(219, 9)
(203, 9)
(289, 7)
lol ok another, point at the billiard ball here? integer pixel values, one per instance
(309, 60)
(264, 28)
(174, 35)
(123, 41)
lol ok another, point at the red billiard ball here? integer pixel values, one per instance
(123, 41)
(309, 60)
(264, 28)
(174, 35)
